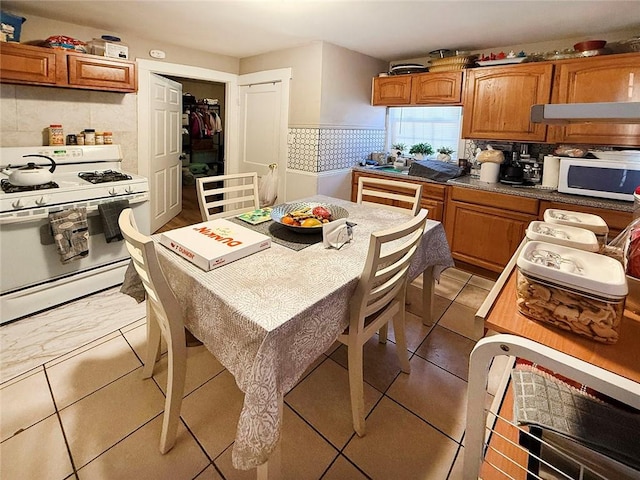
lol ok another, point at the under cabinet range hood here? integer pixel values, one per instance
(603, 112)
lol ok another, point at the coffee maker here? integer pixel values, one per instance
(532, 169)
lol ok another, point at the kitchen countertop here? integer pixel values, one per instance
(532, 192)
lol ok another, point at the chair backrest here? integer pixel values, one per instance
(160, 296)
(227, 195)
(385, 272)
(392, 194)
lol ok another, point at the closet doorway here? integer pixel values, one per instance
(203, 131)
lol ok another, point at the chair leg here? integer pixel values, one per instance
(401, 341)
(152, 349)
(175, 389)
(382, 333)
(356, 388)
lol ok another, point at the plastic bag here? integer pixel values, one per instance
(268, 187)
(626, 248)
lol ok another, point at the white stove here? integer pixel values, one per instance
(33, 278)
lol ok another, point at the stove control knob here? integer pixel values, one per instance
(17, 204)
(113, 192)
(42, 201)
(128, 189)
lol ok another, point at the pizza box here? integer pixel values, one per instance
(214, 243)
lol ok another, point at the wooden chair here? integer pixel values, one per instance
(380, 191)
(227, 195)
(379, 298)
(164, 318)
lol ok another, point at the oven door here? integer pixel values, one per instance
(616, 180)
(32, 269)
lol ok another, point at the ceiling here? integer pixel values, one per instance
(388, 30)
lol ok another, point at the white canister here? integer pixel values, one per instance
(489, 172)
(550, 171)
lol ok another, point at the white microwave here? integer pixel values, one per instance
(616, 179)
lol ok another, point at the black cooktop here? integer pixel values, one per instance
(104, 176)
(8, 187)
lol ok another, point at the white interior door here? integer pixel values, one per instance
(165, 175)
(263, 119)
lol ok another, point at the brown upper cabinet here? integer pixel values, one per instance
(418, 89)
(29, 65)
(497, 101)
(614, 78)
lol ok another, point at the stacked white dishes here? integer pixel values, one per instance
(406, 68)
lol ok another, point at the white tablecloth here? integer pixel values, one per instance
(268, 316)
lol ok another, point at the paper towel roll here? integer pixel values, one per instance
(550, 171)
(489, 172)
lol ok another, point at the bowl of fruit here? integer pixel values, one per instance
(307, 217)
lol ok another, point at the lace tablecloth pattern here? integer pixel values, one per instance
(268, 316)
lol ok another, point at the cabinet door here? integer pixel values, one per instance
(393, 90)
(101, 73)
(484, 236)
(436, 88)
(27, 65)
(615, 78)
(498, 100)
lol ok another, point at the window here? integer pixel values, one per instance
(437, 126)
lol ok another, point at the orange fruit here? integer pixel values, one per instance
(288, 220)
(310, 222)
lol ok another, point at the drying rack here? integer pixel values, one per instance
(492, 447)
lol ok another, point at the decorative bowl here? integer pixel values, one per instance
(280, 211)
(589, 45)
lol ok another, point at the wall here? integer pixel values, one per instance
(28, 110)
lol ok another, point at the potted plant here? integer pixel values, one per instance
(421, 150)
(397, 149)
(444, 154)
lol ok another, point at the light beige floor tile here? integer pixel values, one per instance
(305, 454)
(472, 296)
(82, 374)
(448, 287)
(138, 456)
(380, 362)
(23, 402)
(399, 447)
(460, 319)
(456, 470)
(137, 338)
(80, 349)
(202, 366)
(414, 302)
(98, 421)
(212, 413)
(342, 469)
(323, 400)
(415, 331)
(210, 473)
(482, 282)
(39, 452)
(457, 274)
(434, 394)
(447, 350)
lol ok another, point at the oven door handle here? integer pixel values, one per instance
(13, 218)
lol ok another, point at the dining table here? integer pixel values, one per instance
(268, 316)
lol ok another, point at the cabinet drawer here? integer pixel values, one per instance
(511, 203)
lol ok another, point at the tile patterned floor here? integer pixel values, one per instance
(74, 406)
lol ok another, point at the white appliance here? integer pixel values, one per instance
(33, 277)
(614, 178)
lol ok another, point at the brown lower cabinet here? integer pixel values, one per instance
(485, 228)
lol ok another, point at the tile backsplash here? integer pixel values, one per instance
(324, 149)
(27, 111)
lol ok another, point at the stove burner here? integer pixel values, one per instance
(8, 187)
(104, 176)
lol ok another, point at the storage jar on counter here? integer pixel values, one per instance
(573, 237)
(582, 292)
(581, 220)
